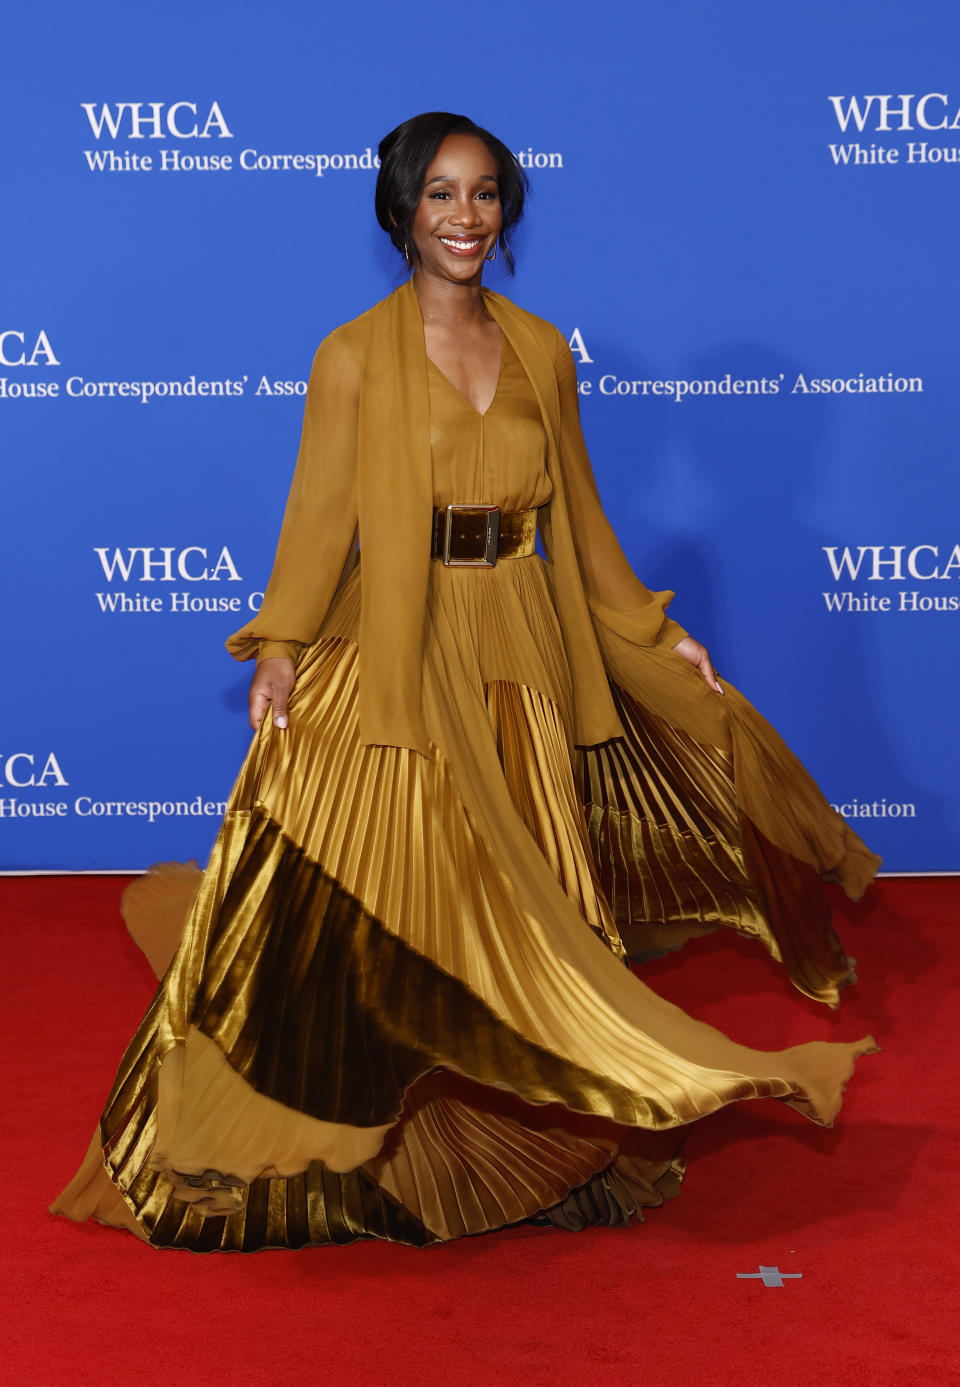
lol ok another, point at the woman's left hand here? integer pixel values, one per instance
(698, 655)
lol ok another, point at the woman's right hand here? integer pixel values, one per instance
(272, 683)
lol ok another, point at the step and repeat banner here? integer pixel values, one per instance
(743, 219)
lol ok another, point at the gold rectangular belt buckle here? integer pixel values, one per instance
(491, 538)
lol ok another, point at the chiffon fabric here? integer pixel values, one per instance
(400, 1005)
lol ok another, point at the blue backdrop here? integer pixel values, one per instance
(744, 219)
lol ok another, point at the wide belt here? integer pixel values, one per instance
(477, 536)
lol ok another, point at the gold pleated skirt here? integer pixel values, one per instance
(400, 1007)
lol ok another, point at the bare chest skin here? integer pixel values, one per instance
(469, 358)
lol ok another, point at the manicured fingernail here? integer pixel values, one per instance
(280, 721)
(719, 690)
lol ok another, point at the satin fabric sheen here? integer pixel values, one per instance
(400, 1006)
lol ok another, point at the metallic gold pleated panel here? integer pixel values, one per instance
(457, 1162)
(664, 827)
(466, 1157)
(319, 1007)
(798, 911)
(463, 1159)
(389, 829)
(482, 1036)
(773, 788)
(613, 1197)
(521, 1154)
(539, 772)
(316, 1206)
(678, 858)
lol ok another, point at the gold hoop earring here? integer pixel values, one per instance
(493, 253)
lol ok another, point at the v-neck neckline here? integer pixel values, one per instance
(480, 413)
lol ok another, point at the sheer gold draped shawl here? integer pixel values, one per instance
(364, 471)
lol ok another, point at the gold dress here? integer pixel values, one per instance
(400, 1006)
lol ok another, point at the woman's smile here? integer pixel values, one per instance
(462, 245)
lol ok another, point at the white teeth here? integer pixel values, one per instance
(459, 242)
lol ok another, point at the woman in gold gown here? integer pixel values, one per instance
(481, 782)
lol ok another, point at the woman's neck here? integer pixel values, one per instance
(455, 306)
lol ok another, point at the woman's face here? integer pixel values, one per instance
(459, 216)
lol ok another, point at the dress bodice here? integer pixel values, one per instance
(498, 457)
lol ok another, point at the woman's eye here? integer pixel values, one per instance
(488, 194)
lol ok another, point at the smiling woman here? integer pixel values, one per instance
(482, 782)
(411, 176)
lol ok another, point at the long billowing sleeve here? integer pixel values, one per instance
(618, 600)
(320, 521)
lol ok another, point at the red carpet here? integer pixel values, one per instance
(866, 1213)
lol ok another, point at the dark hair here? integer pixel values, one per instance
(406, 154)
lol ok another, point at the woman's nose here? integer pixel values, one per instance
(466, 213)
